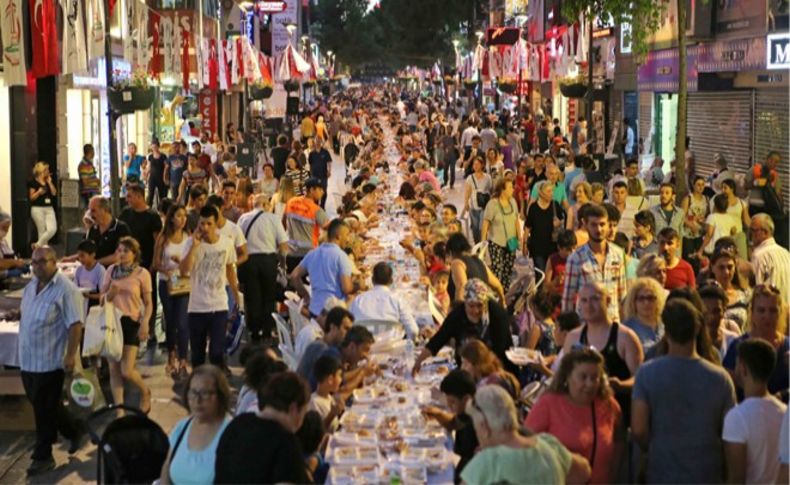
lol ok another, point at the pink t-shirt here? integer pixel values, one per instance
(428, 176)
(131, 289)
(572, 425)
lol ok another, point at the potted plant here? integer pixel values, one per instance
(308, 83)
(573, 86)
(291, 85)
(507, 86)
(449, 80)
(470, 83)
(262, 89)
(130, 93)
(437, 82)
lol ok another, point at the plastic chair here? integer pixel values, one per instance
(480, 250)
(433, 304)
(377, 326)
(284, 332)
(288, 357)
(298, 321)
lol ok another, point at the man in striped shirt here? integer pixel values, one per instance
(596, 261)
(49, 336)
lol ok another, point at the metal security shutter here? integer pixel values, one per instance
(771, 129)
(646, 118)
(720, 122)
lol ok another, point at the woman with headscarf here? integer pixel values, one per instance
(480, 317)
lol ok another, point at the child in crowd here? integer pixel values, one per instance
(260, 363)
(555, 268)
(719, 224)
(458, 388)
(328, 373)
(89, 274)
(566, 322)
(312, 436)
(439, 283)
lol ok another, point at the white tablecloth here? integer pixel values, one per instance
(9, 338)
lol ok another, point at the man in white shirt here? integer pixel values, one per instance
(468, 134)
(771, 262)
(314, 330)
(751, 429)
(267, 243)
(379, 303)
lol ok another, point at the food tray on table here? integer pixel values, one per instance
(434, 458)
(523, 356)
(359, 437)
(353, 475)
(371, 394)
(355, 420)
(354, 455)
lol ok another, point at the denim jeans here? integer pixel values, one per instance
(174, 309)
(207, 326)
(476, 221)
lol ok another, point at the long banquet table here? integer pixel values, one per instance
(383, 436)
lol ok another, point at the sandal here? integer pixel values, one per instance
(145, 402)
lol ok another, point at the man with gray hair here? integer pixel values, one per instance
(50, 330)
(771, 262)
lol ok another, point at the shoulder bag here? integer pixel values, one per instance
(481, 197)
(512, 242)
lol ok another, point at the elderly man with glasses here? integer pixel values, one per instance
(49, 336)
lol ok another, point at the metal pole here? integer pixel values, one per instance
(590, 60)
(112, 117)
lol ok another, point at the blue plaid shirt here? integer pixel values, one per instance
(46, 319)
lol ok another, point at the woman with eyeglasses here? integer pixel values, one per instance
(194, 439)
(725, 273)
(508, 456)
(580, 410)
(642, 309)
(768, 321)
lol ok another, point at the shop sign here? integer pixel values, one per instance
(502, 35)
(731, 55)
(625, 38)
(741, 18)
(778, 51)
(271, 7)
(280, 36)
(208, 111)
(659, 73)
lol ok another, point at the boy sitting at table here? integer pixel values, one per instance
(458, 388)
(328, 372)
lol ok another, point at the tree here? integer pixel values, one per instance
(345, 27)
(645, 18)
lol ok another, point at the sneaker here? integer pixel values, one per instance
(41, 466)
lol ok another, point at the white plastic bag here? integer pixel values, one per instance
(103, 334)
(93, 342)
(110, 319)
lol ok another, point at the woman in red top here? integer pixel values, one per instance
(581, 412)
(520, 188)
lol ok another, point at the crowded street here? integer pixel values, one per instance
(394, 242)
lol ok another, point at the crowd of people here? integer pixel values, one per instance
(661, 315)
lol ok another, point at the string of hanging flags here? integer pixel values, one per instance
(161, 43)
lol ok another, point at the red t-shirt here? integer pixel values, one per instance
(572, 425)
(680, 276)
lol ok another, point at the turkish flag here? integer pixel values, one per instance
(155, 65)
(240, 57)
(185, 59)
(213, 65)
(44, 38)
